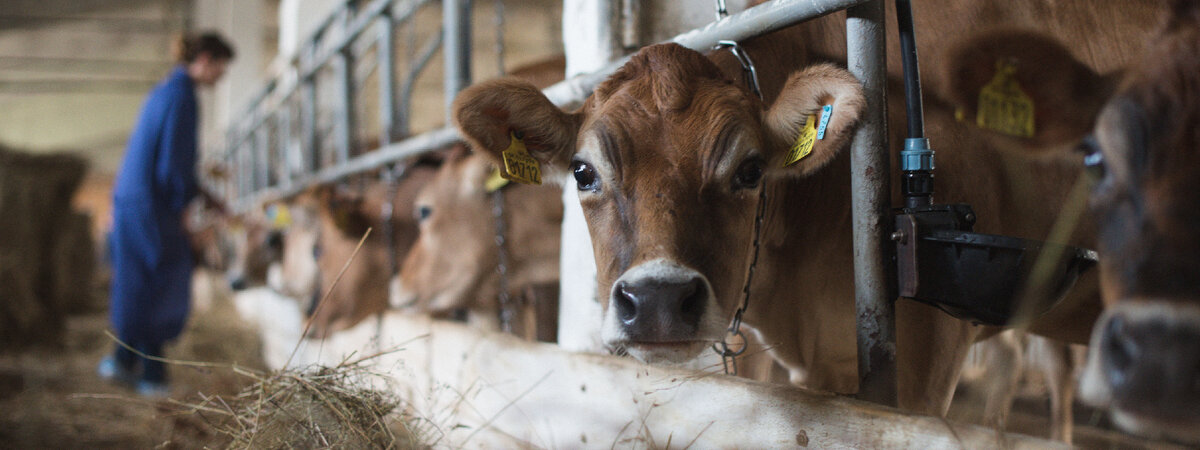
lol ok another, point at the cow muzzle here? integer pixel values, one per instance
(399, 296)
(660, 311)
(1144, 364)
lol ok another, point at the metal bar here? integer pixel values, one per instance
(755, 21)
(310, 59)
(283, 134)
(456, 26)
(870, 208)
(387, 77)
(262, 161)
(308, 125)
(410, 80)
(244, 174)
(407, 148)
(343, 132)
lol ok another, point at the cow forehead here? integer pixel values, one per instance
(632, 137)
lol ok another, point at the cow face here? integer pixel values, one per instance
(255, 245)
(1144, 153)
(669, 157)
(455, 252)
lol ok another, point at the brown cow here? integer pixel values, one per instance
(1144, 359)
(327, 226)
(453, 264)
(669, 154)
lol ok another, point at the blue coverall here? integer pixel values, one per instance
(151, 255)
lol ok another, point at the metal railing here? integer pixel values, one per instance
(250, 143)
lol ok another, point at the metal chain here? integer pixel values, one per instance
(499, 21)
(721, 11)
(729, 356)
(750, 72)
(506, 311)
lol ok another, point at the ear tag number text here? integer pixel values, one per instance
(519, 166)
(804, 143)
(1003, 106)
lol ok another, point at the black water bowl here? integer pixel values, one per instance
(987, 278)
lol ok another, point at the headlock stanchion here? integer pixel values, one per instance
(865, 53)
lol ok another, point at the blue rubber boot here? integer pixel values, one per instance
(114, 372)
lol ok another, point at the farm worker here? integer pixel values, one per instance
(150, 251)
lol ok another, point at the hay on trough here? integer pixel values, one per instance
(35, 195)
(324, 407)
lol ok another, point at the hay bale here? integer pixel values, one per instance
(73, 282)
(327, 407)
(35, 195)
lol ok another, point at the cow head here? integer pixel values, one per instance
(256, 243)
(1141, 130)
(669, 156)
(455, 253)
(453, 264)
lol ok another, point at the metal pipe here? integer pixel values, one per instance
(755, 21)
(311, 60)
(456, 25)
(343, 132)
(870, 208)
(414, 146)
(262, 163)
(387, 75)
(410, 80)
(308, 126)
(283, 134)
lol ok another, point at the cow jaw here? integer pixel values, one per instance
(661, 311)
(1143, 364)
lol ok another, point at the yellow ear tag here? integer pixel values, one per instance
(1003, 106)
(518, 165)
(495, 181)
(280, 216)
(804, 143)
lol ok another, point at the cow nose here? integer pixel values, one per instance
(1152, 364)
(237, 284)
(660, 310)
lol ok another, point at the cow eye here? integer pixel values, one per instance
(748, 174)
(1093, 158)
(423, 212)
(585, 176)
(316, 250)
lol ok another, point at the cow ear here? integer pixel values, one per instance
(345, 207)
(804, 98)
(1001, 70)
(489, 113)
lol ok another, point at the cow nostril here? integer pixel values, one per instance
(691, 307)
(626, 307)
(1120, 351)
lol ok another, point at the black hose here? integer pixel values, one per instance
(912, 74)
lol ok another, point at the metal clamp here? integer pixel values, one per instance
(747, 65)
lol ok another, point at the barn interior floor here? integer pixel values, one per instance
(52, 398)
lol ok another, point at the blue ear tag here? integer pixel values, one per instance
(825, 112)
